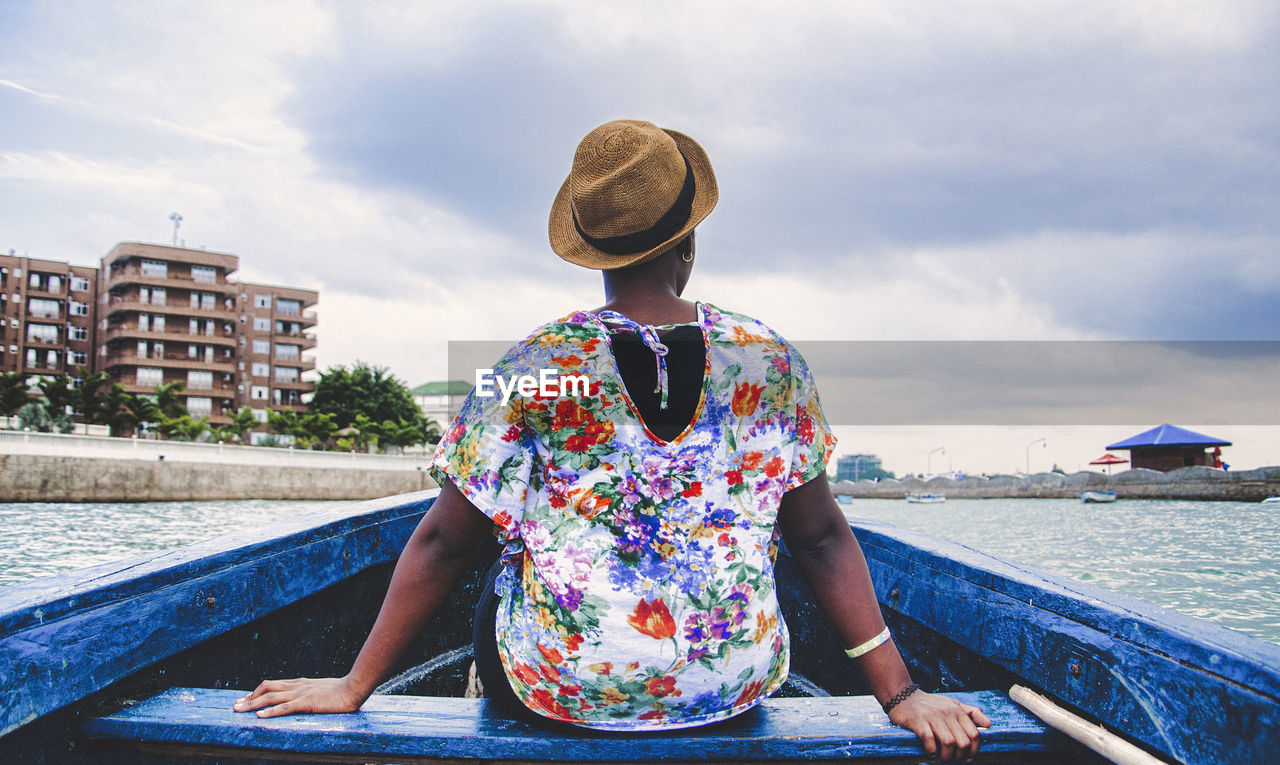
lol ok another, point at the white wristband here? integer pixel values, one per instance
(874, 642)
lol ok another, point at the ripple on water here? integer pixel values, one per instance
(43, 538)
(1212, 560)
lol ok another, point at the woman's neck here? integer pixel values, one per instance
(649, 293)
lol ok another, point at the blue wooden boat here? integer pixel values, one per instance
(139, 661)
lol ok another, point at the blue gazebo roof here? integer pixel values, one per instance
(1168, 435)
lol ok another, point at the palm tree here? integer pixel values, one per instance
(91, 397)
(14, 393)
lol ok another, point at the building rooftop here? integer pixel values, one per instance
(1168, 435)
(443, 388)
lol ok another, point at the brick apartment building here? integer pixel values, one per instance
(154, 314)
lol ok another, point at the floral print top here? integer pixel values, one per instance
(639, 588)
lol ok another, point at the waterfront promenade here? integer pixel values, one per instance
(52, 467)
(1191, 483)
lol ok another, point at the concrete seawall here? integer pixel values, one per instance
(1197, 483)
(40, 478)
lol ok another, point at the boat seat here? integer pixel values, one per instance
(198, 722)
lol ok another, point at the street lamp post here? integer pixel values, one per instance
(942, 449)
(1044, 441)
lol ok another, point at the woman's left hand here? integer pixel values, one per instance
(947, 728)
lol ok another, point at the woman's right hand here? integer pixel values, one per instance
(323, 695)
(948, 729)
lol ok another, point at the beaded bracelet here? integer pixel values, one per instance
(874, 642)
(900, 697)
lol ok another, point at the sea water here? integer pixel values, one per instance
(1213, 560)
(44, 538)
(1218, 561)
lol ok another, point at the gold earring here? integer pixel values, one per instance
(687, 257)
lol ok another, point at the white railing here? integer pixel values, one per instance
(68, 445)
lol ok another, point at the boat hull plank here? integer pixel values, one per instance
(396, 727)
(105, 628)
(1137, 668)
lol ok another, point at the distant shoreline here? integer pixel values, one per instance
(1194, 483)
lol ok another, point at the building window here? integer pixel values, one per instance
(44, 309)
(33, 280)
(207, 301)
(286, 374)
(157, 296)
(55, 283)
(79, 284)
(258, 393)
(204, 274)
(287, 352)
(261, 324)
(260, 415)
(199, 406)
(78, 309)
(79, 358)
(260, 369)
(150, 376)
(261, 301)
(42, 333)
(262, 346)
(199, 380)
(155, 268)
(31, 357)
(288, 307)
(78, 333)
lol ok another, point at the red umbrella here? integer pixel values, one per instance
(1109, 459)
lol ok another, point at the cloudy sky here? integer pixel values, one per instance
(888, 171)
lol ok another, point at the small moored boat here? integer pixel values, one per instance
(926, 499)
(1093, 495)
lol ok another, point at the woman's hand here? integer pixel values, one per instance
(325, 695)
(946, 727)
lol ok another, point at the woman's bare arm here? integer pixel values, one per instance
(823, 546)
(440, 550)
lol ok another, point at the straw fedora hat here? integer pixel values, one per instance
(634, 191)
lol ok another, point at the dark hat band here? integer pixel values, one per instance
(656, 234)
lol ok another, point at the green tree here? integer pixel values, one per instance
(169, 401)
(58, 394)
(363, 390)
(118, 409)
(320, 425)
(241, 423)
(184, 428)
(14, 393)
(91, 397)
(35, 416)
(144, 411)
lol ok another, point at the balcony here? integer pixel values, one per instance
(299, 363)
(43, 342)
(134, 275)
(130, 331)
(131, 304)
(43, 291)
(128, 358)
(225, 392)
(42, 367)
(303, 385)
